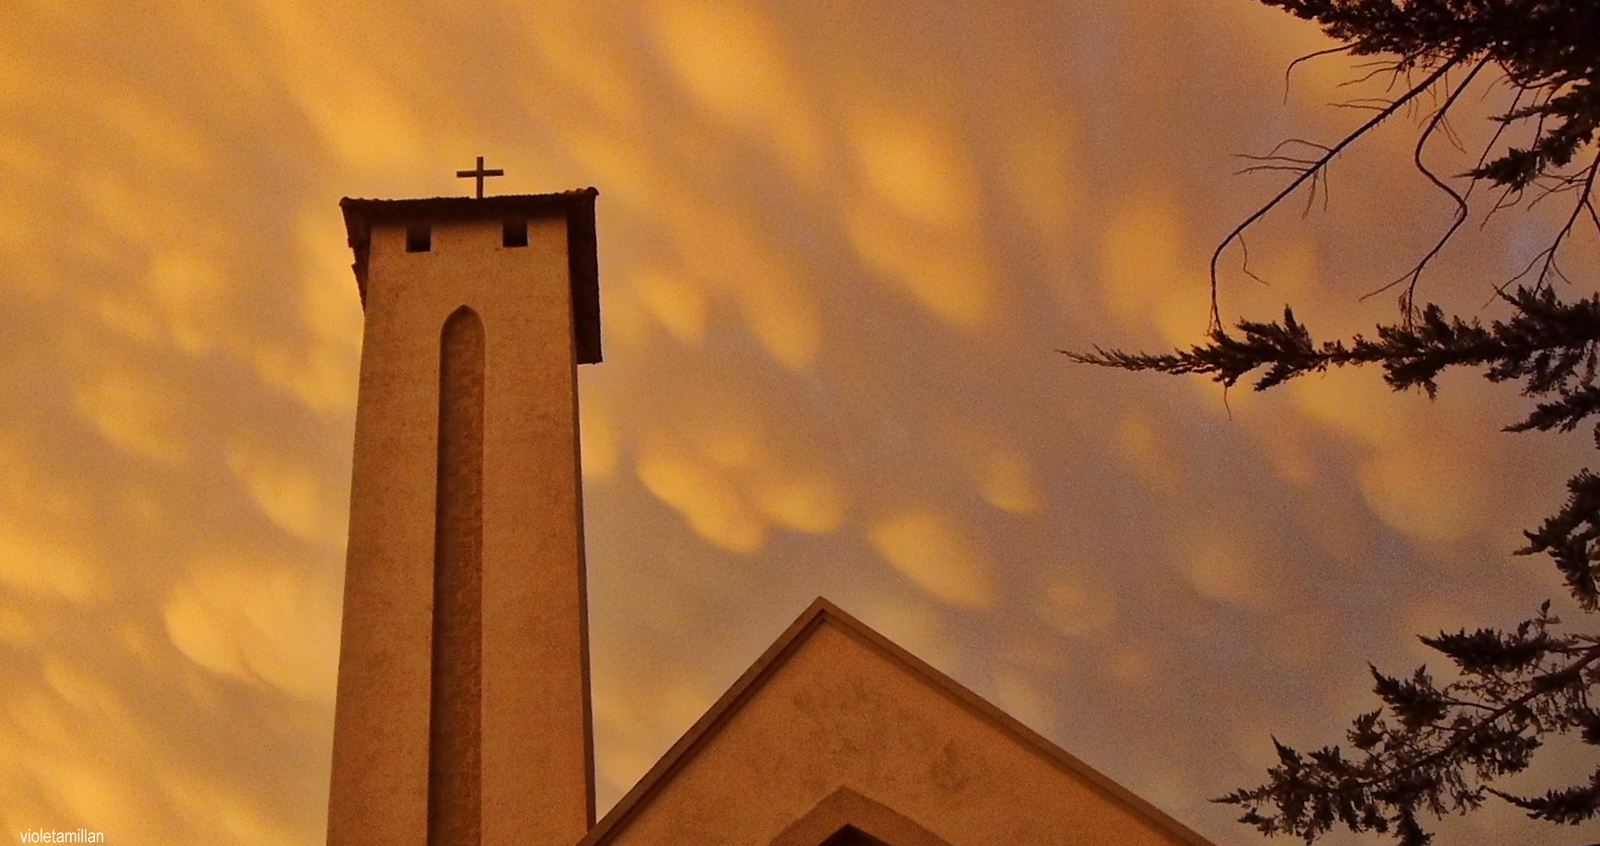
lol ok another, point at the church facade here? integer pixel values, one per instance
(462, 716)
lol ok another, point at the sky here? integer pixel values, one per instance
(840, 246)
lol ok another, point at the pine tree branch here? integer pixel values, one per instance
(1550, 344)
(1414, 275)
(1442, 748)
(1543, 685)
(1313, 170)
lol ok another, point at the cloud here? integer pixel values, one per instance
(916, 219)
(782, 188)
(260, 623)
(574, 44)
(1130, 665)
(358, 112)
(47, 542)
(16, 628)
(40, 563)
(1076, 605)
(1000, 471)
(1040, 154)
(915, 624)
(133, 410)
(728, 57)
(1146, 276)
(1414, 477)
(1007, 483)
(679, 304)
(723, 252)
(1150, 453)
(936, 553)
(802, 499)
(636, 721)
(1020, 697)
(291, 495)
(86, 694)
(710, 503)
(601, 446)
(219, 813)
(733, 478)
(1222, 562)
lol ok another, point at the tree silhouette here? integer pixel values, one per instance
(1434, 749)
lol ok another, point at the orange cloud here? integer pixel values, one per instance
(732, 483)
(133, 411)
(917, 217)
(228, 616)
(938, 555)
(1149, 451)
(293, 497)
(41, 563)
(728, 57)
(1076, 605)
(1413, 479)
(712, 505)
(1147, 277)
(1224, 564)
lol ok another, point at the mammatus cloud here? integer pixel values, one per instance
(938, 555)
(1147, 274)
(839, 247)
(293, 498)
(918, 218)
(35, 561)
(134, 411)
(1005, 479)
(1412, 478)
(731, 486)
(44, 556)
(1076, 605)
(260, 623)
(735, 65)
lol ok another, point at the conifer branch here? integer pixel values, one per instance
(1432, 749)
(1310, 172)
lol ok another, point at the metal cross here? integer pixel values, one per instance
(479, 174)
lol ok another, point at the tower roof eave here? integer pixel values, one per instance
(577, 206)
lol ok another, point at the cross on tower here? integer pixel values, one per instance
(479, 173)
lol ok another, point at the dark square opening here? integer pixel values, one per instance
(419, 239)
(852, 836)
(514, 233)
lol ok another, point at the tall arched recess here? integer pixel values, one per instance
(454, 750)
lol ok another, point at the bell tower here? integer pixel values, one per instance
(463, 715)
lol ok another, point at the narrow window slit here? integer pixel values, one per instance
(514, 233)
(455, 728)
(419, 239)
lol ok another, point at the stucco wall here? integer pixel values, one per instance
(839, 712)
(536, 756)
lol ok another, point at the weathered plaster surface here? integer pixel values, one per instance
(836, 711)
(536, 753)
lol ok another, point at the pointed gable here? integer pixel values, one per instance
(839, 736)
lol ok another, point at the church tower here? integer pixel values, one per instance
(463, 714)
